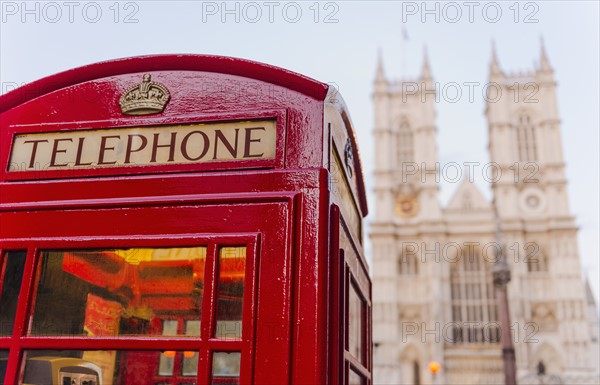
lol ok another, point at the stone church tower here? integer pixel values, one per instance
(433, 295)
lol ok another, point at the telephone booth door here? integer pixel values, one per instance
(145, 302)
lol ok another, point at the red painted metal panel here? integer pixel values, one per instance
(193, 63)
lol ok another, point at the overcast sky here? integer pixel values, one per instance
(337, 42)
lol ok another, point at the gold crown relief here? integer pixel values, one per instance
(145, 98)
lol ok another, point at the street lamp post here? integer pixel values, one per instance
(501, 274)
(501, 277)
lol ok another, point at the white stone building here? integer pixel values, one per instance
(432, 289)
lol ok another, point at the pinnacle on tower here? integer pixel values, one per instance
(426, 71)
(544, 62)
(494, 66)
(379, 75)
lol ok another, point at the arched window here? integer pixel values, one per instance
(410, 370)
(541, 368)
(474, 311)
(537, 263)
(404, 144)
(408, 264)
(416, 373)
(526, 144)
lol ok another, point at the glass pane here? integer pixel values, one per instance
(117, 292)
(226, 368)
(3, 363)
(166, 365)
(230, 294)
(190, 364)
(192, 328)
(11, 275)
(356, 324)
(92, 367)
(169, 328)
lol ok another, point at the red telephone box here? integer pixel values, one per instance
(181, 220)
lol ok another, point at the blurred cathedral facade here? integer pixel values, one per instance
(433, 296)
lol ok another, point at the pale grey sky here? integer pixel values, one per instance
(337, 42)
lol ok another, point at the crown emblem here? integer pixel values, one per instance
(145, 98)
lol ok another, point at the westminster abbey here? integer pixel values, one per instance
(433, 295)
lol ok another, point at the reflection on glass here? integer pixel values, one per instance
(117, 292)
(166, 364)
(106, 367)
(356, 324)
(169, 327)
(230, 294)
(192, 328)
(226, 367)
(11, 275)
(3, 363)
